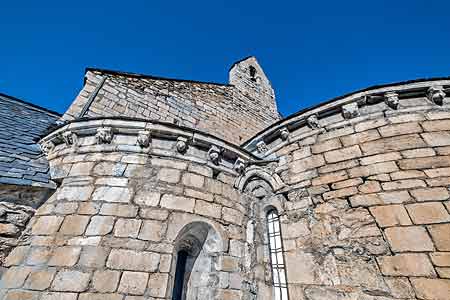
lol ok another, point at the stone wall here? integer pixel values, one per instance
(124, 208)
(366, 213)
(233, 112)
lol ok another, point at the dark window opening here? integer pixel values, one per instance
(252, 71)
(180, 275)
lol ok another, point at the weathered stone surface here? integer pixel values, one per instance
(435, 289)
(406, 265)
(100, 225)
(157, 285)
(127, 228)
(440, 234)
(74, 225)
(343, 154)
(112, 194)
(409, 239)
(133, 283)
(105, 281)
(133, 261)
(390, 215)
(177, 203)
(65, 256)
(428, 213)
(70, 281)
(152, 231)
(40, 280)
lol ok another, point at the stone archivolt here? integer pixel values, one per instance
(360, 186)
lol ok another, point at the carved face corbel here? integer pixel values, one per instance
(70, 138)
(261, 147)
(284, 133)
(214, 154)
(239, 166)
(391, 99)
(181, 144)
(48, 147)
(313, 122)
(350, 110)
(436, 94)
(143, 138)
(104, 135)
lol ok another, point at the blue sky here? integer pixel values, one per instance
(311, 50)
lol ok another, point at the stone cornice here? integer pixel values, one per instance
(349, 107)
(141, 136)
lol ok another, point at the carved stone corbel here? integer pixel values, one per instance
(436, 94)
(182, 144)
(261, 147)
(313, 122)
(239, 166)
(70, 138)
(350, 110)
(391, 99)
(104, 135)
(284, 133)
(214, 154)
(143, 138)
(48, 147)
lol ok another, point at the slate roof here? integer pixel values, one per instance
(21, 126)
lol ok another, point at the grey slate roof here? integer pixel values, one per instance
(21, 126)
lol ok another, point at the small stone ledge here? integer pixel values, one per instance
(379, 102)
(167, 140)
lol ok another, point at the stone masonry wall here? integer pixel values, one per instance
(367, 214)
(111, 229)
(234, 113)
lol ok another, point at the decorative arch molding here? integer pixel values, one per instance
(273, 179)
(182, 223)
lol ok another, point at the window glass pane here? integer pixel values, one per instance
(276, 256)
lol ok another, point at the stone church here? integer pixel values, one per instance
(157, 188)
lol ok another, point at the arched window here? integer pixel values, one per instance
(276, 256)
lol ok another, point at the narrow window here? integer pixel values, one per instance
(180, 274)
(252, 71)
(276, 256)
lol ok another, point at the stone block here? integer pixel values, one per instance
(66, 208)
(430, 288)
(15, 277)
(157, 285)
(119, 210)
(169, 175)
(396, 197)
(198, 195)
(440, 234)
(428, 213)
(440, 125)
(378, 158)
(193, 180)
(153, 213)
(369, 187)
(207, 209)
(16, 256)
(133, 260)
(307, 163)
(437, 139)
(9, 229)
(330, 178)
(65, 256)
(89, 208)
(38, 256)
(431, 194)
(74, 225)
(423, 152)
(127, 228)
(46, 225)
(303, 152)
(443, 272)
(152, 231)
(399, 175)
(321, 147)
(360, 137)
(400, 287)
(147, 198)
(403, 184)
(424, 162)
(133, 283)
(227, 264)
(112, 194)
(343, 154)
(59, 296)
(21, 295)
(93, 256)
(346, 183)
(177, 203)
(396, 143)
(407, 264)
(373, 169)
(439, 172)
(105, 281)
(40, 279)
(71, 281)
(232, 215)
(390, 215)
(100, 225)
(342, 193)
(400, 129)
(370, 124)
(96, 296)
(409, 239)
(440, 259)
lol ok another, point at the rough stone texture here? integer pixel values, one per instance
(363, 201)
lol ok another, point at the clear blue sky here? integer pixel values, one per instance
(311, 50)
